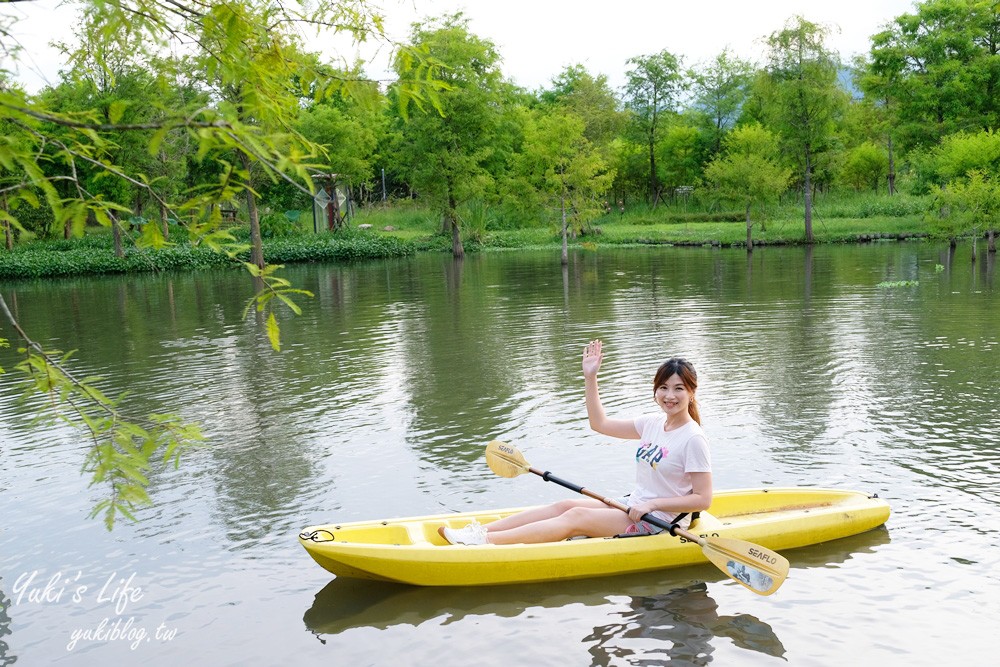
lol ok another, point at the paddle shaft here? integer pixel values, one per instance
(611, 502)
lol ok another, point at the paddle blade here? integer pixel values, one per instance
(751, 565)
(505, 460)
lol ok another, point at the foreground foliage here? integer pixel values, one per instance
(180, 108)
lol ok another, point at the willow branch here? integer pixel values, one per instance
(37, 349)
(113, 127)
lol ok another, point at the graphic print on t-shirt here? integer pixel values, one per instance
(650, 453)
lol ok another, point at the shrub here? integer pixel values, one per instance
(46, 263)
(276, 224)
(94, 255)
(349, 246)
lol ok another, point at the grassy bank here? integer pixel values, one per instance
(845, 219)
(404, 229)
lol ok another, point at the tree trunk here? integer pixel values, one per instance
(116, 234)
(164, 224)
(808, 198)
(975, 247)
(256, 242)
(892, 169)
(565, 249)
(991, 246)
(457, 249)
(652, 170)
(749, 233)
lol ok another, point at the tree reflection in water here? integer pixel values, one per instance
(677, 627)
(5, 656)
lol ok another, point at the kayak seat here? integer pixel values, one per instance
(705, 521)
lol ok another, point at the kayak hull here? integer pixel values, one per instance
(409, 550)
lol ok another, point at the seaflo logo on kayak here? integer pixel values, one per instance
(760, 555)
(115, 593)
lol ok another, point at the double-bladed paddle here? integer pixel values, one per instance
(759, 569)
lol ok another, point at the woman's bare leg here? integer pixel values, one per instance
(541, 513)
(600, 521)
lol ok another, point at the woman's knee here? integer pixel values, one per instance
(579, 516)
(594, 521)
(564, 506)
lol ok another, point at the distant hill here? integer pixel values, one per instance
(845, 77)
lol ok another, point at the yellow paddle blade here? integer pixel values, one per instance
(751, 565)
(505, 460)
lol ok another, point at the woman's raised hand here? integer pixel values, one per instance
(592, 357)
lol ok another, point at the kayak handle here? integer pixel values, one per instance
(549, 477)
(320, 535)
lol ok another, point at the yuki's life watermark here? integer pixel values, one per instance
(120, 594)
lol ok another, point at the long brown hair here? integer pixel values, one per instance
(683, 369)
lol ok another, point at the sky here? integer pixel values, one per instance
(537, 39)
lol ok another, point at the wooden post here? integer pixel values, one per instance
(331, 207)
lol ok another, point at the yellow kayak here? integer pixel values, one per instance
(409, 550)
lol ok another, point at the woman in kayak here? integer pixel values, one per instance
(673, 476)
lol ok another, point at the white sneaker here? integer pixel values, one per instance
(471, 534)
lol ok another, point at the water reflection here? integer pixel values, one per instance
(344, 604)
(678, 627)
(6, 657)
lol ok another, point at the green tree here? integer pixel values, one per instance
(749, 171)
(877, 110)
(346, 132)
(348, 138)
(451, 152)
(566, 168)
(963, 152)
(720, 89)
(864, 166)
(653, 87)
(966, 164)
(590, 98)
(108, 78)
(680, 160)
(803, 97)
(940, 68)
(966, 207)
(630, 160)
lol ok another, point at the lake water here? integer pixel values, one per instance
(398, 373)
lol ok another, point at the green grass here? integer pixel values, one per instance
(840, 218)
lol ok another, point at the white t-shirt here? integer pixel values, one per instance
(666, 459)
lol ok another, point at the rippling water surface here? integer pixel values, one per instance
(398, 373)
